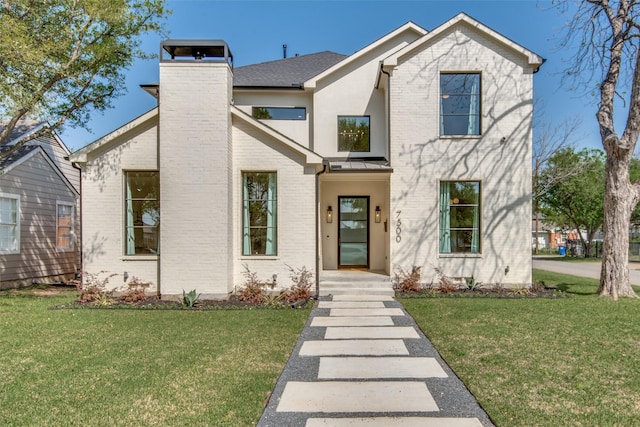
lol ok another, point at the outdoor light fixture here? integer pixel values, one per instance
(329, 214)
(378, 214)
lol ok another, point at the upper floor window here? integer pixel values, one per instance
(460, 104)
(259, 213)
(279, 113)
(64, 226)
(9, 223)
(353, 133)
(142, 215)
(459, 217)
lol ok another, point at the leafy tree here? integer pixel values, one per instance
(604, 35)
(61, 59)
(575, 200)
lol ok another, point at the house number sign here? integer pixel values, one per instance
(398, 227)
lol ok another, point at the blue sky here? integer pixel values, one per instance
(256, 31)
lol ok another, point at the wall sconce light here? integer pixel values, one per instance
(329, 214)
(378, 214)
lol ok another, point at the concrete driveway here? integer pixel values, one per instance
(581, 268)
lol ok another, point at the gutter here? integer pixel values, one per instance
(324, 169)
(388, 112)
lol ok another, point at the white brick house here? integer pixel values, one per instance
(413, 151)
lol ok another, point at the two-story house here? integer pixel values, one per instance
(413, 151)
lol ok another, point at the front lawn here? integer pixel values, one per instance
(542, 362)
(138, 367)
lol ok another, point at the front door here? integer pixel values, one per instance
(353, 235)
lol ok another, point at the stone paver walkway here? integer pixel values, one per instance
(362, 361)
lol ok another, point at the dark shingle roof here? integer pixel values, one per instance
(289, 72)
(15, 156)
(22, 127)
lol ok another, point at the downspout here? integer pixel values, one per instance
(388, 111)
(324, 169)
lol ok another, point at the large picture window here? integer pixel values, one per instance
(9, 223)
(259, 213)
(460, 104)
(353, 133)
(64, 226)
(459, 217)
(142, 214)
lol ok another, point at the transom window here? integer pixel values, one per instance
(279, 113)
(64, 226)
(459, 217)
(142, 214)
(460, 104)
(259, 213)
(353, 133)
(9, 223)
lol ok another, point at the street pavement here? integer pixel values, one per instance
(581, 268)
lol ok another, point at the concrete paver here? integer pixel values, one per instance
(354, 347)
(350, 304)
(350, 396)
(370, 332)
(394, 421)
(352, 321)
(366, 312)
(379, 367)
(362, 298)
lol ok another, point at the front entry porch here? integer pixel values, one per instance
(355, 282)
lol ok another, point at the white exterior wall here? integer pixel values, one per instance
(297, 130)
(103, 207)
(420, 158)
(195, 180)
(350, 91)
(296, 238)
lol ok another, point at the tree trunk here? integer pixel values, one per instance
(618, 205)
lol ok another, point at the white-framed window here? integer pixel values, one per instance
(64, 225)
(460, 104)
(142, 213)
(9, 223)
(259, 213)
(459, 217)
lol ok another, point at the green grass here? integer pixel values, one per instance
(137, 367)
(542, 362)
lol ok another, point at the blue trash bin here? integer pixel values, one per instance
(562, 250)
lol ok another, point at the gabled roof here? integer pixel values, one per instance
(311, 157)
(5, 162)
(409, 26)
(533, 59)
(285, 73)
(80, 156)
(22, 129)
(26, 152)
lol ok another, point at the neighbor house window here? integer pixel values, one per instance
(259, 213)
(64, 226)
(460, 104)
(459, 217)
(9, 223)
(142, 213)
(279, 113)
(353, 133)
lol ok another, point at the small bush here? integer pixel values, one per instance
(93, 289)
(135, 290)
(302, 285)
(253, 290)
(404, 281)
(445, 283)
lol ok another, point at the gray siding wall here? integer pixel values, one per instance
(39, 187)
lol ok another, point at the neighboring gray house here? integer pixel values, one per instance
(413, 151)
(39, 209)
